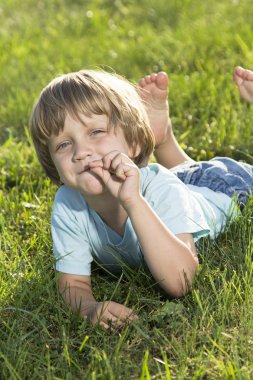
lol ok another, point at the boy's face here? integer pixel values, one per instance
(80, 143)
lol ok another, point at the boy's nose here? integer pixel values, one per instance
(81, 151)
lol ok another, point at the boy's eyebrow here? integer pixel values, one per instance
(53, 139)
(95, 123)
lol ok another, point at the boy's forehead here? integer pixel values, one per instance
(86, 120)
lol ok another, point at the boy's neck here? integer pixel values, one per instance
(111, 211)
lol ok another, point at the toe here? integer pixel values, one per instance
(162, 80)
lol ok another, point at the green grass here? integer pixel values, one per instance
(209, 333)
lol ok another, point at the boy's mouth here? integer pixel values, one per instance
(88, 169)
(84, 170)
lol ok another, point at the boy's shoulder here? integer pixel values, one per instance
(158, 174)
(68, 199)
(64, 190)
(155, 169)
(157, 182)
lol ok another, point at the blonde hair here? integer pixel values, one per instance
(90, 92)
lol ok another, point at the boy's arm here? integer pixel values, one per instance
(77, 293)
(171, 258)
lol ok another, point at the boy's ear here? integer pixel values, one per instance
(134, 151)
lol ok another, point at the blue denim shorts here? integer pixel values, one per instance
(220, 174)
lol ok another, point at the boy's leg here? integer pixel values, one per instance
(244, 80)
(153, 90)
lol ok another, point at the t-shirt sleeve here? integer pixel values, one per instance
(71, 245)
(176, 206)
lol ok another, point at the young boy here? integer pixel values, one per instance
(92, 136)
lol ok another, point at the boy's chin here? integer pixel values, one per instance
(92, 192)
(94, 187)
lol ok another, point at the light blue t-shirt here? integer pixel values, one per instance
(80, 235)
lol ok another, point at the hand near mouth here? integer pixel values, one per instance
(119, 174)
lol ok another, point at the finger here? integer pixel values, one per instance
(114, 316)
(128, 318)
(108, 320)
(110, 161)
(96, 163)
(104, 325)
(98, 168)
(125, 170)
(108, 158)
(115, 322)
(102, 174)
(133, 317)
(113, 159)
(110, 326)
(122, 312)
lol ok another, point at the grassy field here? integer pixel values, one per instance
(209, 333)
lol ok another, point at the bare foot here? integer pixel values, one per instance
(153, 90)
(244, 80)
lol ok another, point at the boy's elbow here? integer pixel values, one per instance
(185, 278)
(188, 276)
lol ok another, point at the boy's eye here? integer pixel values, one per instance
(63, 145)
(97, 132)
